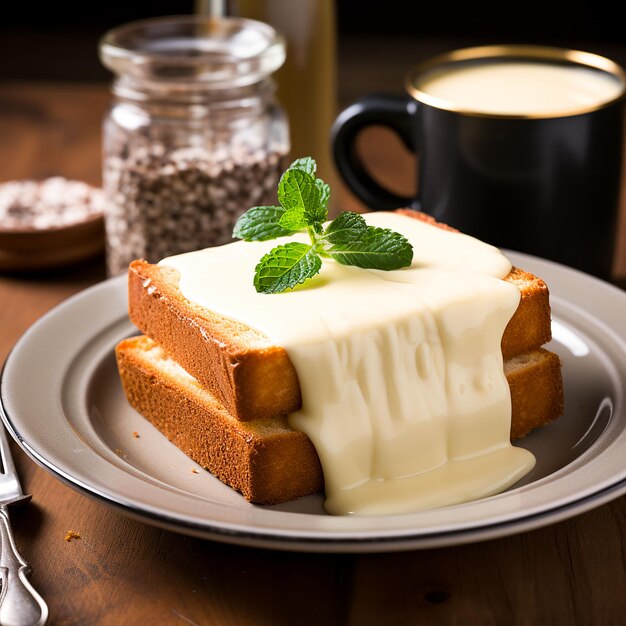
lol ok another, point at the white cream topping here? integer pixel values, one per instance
(403, 390)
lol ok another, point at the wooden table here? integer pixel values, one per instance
(122, 571)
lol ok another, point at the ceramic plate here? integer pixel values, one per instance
(62, 401)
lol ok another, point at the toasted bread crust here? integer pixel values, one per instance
(266, 460)
(237, 362)
(536, 385)
(530, 326)
(230, 358)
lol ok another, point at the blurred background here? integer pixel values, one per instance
(56, 42)
(49, 59)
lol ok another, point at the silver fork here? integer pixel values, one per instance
(20, 604)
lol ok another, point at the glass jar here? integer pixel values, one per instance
(194, 135)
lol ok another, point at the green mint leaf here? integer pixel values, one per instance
(378, 248)
(286, 266)
(306, 164)
(297, 190)
(300, 197)
(316, 215)
(347, 226)
(293, 220)
(318, 229)
(261, 223)
(324, 191)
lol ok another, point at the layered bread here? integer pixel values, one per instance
(236, 362)
(221, 390)
(264, 459)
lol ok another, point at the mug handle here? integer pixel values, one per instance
(393, 112)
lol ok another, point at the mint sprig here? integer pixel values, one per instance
(304, 207)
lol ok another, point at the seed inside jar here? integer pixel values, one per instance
(162, 203)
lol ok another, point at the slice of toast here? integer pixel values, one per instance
(266, 460)
(251, 377)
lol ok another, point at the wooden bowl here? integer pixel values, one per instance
(31, 249)
(27, 248)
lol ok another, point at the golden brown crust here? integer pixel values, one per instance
(536, 385)
(530, 326)
(233, 360)
(266, 460)
(237, 362)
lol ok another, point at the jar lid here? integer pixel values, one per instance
(217, 51)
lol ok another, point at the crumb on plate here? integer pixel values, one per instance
(71, 534)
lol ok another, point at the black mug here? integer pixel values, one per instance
(531, 171)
